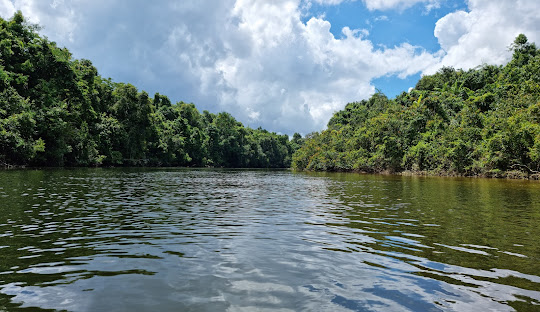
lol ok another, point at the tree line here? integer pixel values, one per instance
(482, 121)
(58, 111)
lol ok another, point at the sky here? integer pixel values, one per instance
(283, 65)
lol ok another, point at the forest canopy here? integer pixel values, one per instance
(58, 111)
(483, 121)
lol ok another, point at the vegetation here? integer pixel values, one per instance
(57, 111)
(484, 121)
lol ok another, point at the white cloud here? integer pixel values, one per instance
(484, 34)
(6, 8)
(296, 75)
(260, 60)
(451, 28)
(254, 59)
(398, 4)
(56, 17)
(331, 2)
(382, 5)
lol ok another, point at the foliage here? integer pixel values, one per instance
(459, 122)
(57, 111)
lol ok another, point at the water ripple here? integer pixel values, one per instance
(219, 240)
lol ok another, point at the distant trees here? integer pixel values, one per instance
(57, 111)
(481, 121)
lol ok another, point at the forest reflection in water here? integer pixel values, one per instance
(216, 240)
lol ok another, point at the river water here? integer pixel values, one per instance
(240, 240)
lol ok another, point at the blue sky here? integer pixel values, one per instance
(284, 65)
(389, 28)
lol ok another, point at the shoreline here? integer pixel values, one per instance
(509, 175)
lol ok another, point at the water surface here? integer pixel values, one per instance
(239, 240)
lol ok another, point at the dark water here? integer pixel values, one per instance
(204, 240)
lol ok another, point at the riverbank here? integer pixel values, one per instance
(516, 175)
(494, 174)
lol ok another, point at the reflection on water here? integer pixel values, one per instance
(218, 240)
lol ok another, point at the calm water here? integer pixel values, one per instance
(225, 240)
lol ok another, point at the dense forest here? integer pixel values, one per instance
(483, 121)
(58, 111)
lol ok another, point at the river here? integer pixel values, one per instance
(256, 240)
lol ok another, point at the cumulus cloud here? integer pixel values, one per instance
(6, 8)
(330, 2)
(261, 60)
(295, 75)
(398, 4)
(255, 59)
(56, 16)
(382, 5)
(484, 33)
